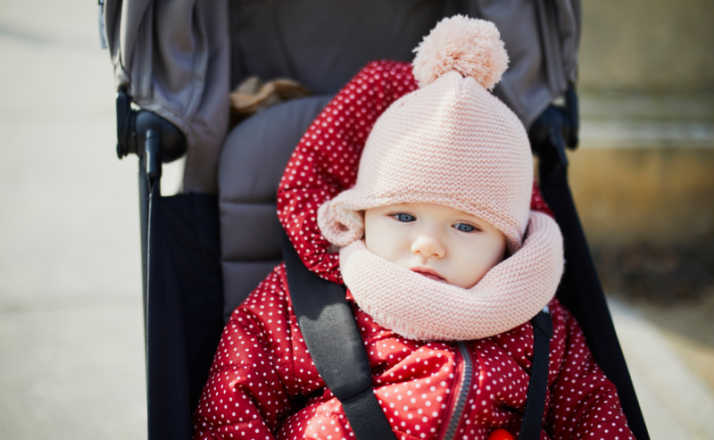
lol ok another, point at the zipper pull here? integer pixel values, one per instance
(500, 434)
(102, 34)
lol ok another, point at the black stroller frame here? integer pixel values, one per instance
(183, 286)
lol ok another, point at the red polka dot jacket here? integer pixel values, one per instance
(263, 384)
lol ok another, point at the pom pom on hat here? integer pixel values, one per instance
(470, 46)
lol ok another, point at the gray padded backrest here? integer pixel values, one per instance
(250, 168)
(323, 43)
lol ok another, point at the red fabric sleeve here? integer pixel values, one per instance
(333, 143)
(245, 395)
(583, 401)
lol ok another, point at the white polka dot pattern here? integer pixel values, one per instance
(263, 384)
(326, 159)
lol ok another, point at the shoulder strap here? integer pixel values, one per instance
(337, 349)
(535, 402)
(335, 345)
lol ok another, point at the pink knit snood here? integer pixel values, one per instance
(417, 307)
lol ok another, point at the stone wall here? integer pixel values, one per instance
(647, 45)
(643, 176)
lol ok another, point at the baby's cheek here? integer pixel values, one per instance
(384, 240)
(474, 266)
(378, 246)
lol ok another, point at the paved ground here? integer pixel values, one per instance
(71, 356)
(676, 402)
(71, 347)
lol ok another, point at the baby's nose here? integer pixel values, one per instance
(428, 246)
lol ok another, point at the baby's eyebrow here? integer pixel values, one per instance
(475, 220)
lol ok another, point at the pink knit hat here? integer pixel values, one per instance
(450, 142)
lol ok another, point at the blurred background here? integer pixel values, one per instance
(71, 341)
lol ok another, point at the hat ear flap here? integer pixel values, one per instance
(339, 225)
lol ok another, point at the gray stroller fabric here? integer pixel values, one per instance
(251, 165)
(180, 58)
(542, 38)
(173, 58)
(324, 48)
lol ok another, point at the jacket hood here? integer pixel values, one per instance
(326, 160)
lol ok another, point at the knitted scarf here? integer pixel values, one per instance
(417, 307)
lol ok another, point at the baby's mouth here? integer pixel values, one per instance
(429, 273)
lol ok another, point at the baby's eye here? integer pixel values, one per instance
(464, 227)
(403, 217)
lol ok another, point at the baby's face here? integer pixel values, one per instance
(439, 242)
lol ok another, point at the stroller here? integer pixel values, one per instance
(205, 249)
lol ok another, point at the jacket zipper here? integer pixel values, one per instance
(463, 391)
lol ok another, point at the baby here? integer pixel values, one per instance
(426, 194)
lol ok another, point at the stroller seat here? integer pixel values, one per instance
(201, 250)
(251, 165)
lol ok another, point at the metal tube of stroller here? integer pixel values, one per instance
(149, 188)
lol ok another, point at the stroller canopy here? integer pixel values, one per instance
(179, 59)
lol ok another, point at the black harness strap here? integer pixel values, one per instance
(335, 345)
(535, 402)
